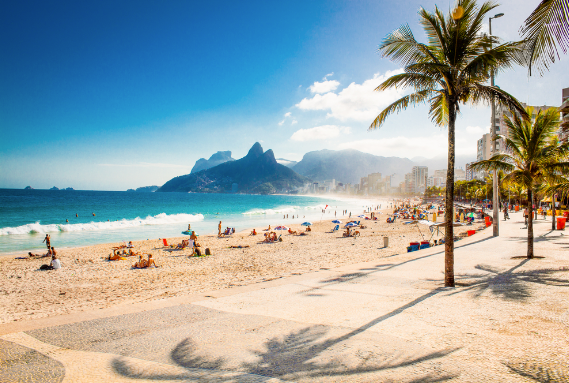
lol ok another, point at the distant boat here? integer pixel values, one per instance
(28, 188)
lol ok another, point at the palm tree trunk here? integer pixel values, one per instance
(553, 211)
(530, 224)
(449, 216)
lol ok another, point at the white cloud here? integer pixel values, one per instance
(328, 75)
(324, 86)
(294, 122)
(282, 122)
(287, 114)
(320, 133)
(355, 102)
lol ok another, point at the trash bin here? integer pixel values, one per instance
(385, 241)
(560, 223)
(517, 208)
(471, 232)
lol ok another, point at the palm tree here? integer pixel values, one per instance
(536, 156)
(545, 29)
(453, 68)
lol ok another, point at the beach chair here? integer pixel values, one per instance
(336, 228)
(165, 242)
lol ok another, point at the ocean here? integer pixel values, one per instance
(78, 218)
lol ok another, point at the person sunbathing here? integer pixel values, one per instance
(308, 228)
(140, 264)
(254, 232)
(151, 261)
(239, 247)
(290, 231)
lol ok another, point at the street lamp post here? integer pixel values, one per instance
(495, 194)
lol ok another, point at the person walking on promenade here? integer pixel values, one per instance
(506, 215)
(526, 216)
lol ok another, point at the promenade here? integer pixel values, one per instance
(390, 320)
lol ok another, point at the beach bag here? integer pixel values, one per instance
(45, 267)
(198, 252)
(207, 251)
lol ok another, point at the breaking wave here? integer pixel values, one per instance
(160, 219)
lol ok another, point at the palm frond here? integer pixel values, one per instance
(397, 106)
(546, 31)
(404, 80)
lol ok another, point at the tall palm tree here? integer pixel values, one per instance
(533, 155)
(452, 68)
(544, 30)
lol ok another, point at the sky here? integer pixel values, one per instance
(107, 95)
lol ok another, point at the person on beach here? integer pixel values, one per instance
(219, 229)
(47, 241)
(506, 215)
(54, 264)
(189, 227)
(526, 216)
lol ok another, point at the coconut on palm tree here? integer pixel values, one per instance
(451, 69)
(533, 155)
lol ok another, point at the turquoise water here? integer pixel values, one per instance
(27, 215)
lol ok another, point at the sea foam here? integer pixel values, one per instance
(282, 210)
(160, 219)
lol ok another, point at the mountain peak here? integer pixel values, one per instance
(256, 151)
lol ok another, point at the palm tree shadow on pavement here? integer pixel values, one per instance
(303, 354)
(509, 284)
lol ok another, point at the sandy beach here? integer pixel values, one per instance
(87, 280)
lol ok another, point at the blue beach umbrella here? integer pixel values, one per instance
(361, 216)
(306, 224)
(351, 224)
(336, 221)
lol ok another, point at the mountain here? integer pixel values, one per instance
(257, 172)
(348, 165)
(216, 159)
(287, 163)
(144, 189)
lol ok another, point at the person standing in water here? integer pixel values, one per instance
(47, 241)
(219, 229)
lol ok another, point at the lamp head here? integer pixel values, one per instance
(498, 15)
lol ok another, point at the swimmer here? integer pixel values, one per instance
(93, 214)
(76, 215)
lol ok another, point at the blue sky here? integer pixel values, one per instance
(114, 95)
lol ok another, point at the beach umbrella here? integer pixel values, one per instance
(471, 215)
(351, 224)
(306, 224)
(361, 216)
(337, 221)
(281, 228)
